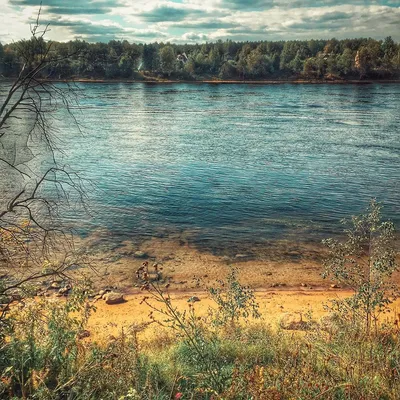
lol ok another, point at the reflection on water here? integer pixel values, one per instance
(234, 166)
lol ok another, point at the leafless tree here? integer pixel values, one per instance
(34, 183)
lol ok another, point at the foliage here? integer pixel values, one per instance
(233, 300)
(167, 60)
(115, 370)
(191, 329)
(45, 355)
(201, 347)
(311, 59)
(365, 262)
(40, 348)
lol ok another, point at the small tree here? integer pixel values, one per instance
(234, 301)
(365, 262)
(167, 60)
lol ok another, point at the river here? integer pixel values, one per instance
(233, 166)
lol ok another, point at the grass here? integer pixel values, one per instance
(228, 353)
(42, 357)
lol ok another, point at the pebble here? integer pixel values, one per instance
(140, 254)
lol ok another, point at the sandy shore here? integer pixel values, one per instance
(281, 264)
(110, 320)
(287, 278)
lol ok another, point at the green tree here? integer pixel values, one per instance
(389, 50)
(332, 47)
(148, 57)
(214, 59)
(364, 262)
(289, 52)
(125, 66)
(362, 61)
(396, 59)
(314, 47)
(369, 57)
(375, 53)
(201, 63)
(167, 60)
(258, 64)
(111, 65)
(190, 66)
(346, 62)
(332, 64)
(229, 48)
(242, 65)
(228, 70)
(116, 47)
(296, 65)
(310, 68)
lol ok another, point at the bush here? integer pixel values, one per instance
(365, 263)
(41, 349)
(233, 300)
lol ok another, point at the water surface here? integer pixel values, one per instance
(235, 164)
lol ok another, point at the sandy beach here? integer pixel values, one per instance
(286, 280)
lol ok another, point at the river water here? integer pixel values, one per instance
(233, 166)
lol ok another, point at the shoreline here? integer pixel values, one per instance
(234, 82)
(284, 266)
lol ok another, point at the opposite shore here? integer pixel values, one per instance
(224, 81)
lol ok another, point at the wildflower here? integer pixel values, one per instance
(178, 395)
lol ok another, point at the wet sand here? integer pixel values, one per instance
(281, 264)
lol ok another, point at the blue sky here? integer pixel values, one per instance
(192, 21)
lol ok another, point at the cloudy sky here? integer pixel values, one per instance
(201, 20)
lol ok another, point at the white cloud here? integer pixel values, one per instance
(202, 20)
(13, 26)
(194, 37)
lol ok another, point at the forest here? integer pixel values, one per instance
(267, 60)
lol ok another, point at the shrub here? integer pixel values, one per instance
(41, 348)
(234, 301)
(365, 262)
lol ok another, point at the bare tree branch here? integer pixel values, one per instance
(34, 186)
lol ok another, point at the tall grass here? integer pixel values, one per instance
(44, 357)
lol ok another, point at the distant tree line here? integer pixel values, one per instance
(305, 59)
